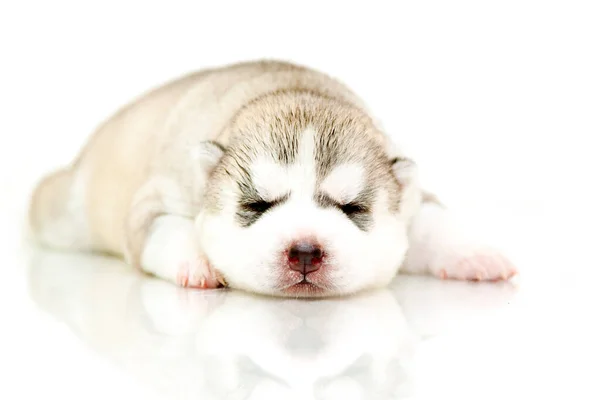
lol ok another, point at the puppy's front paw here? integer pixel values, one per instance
(198, 273)
(474, 264)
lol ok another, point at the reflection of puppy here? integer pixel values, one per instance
(227, 344)
(327, 349)
(271, 176)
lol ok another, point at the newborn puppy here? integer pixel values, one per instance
(269, 176)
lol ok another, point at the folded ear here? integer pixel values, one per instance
(404, 169)
(208, 153)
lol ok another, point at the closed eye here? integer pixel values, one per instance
(351, 209)
(252, 209)
(357, 211)
(259, 206)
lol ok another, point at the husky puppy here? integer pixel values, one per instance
(265, 176)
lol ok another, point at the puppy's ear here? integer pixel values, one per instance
(208, 153)
(405, 170)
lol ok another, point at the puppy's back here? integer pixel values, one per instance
(89, 200)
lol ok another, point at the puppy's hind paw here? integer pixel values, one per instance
(479, 264)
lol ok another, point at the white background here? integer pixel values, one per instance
(498, 101)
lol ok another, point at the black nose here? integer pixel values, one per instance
(305, 257)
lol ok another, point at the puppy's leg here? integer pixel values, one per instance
(161, 236)
(171, 252)
(440, 246)
(160, 231)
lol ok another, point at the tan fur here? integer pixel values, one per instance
(48, 202)
(147, 146)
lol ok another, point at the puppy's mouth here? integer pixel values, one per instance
(305, 288)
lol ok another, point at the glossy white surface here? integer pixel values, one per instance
(82, 325)
(498, 101)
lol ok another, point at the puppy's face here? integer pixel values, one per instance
(305, 202)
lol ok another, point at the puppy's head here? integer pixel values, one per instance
(306, 201)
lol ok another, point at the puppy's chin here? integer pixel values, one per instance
(306, 289)
(313, 285)
(318, 283)
(298, 287)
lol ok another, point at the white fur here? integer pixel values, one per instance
(303, 172)
(440, 246)
(270, 179)
(359, 260)
(273, 180)
(171, 252)
(344, 183)
(170, 242)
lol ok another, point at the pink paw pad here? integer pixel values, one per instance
(198, 274)
(478, 267)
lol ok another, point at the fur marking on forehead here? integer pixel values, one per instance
(272, 177)
(345, 182)
(269, 178)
